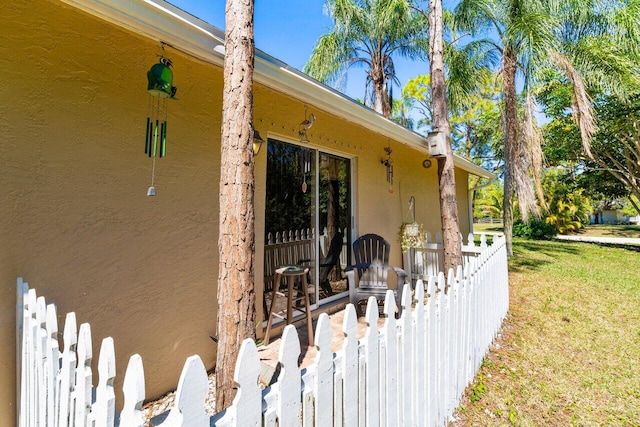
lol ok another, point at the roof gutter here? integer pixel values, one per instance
(167, 23)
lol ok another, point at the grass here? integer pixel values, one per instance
(604, 230)
(492, 228)
(569, 352)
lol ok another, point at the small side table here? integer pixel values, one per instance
(290, 272)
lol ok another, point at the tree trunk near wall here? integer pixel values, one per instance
(236, 242)
(446, 171)
(510, 138)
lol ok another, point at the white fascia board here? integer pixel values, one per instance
(473, 169)
(166, 23)
(159, 20)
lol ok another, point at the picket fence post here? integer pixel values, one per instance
(103, 410)
(349, 357)
(323, 381)
(389, 340)
(371, 369)
(134, 392)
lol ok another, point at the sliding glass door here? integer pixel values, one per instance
(308, 217)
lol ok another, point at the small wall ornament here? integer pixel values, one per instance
(388, 164)
(160, 88)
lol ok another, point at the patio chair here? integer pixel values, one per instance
(368, 277)
(329, 262)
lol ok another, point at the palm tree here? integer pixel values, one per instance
(576, 37)
(369, 34)
(236, 293)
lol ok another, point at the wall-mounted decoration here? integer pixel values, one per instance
(160, 88)
(388, 164)
(305, 125)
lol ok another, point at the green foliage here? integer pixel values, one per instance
(534, 229)
(411, 235)
(565, 220)
(478, 389)
(568, 208)
(488, 201)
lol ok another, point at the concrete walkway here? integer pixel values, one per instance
(623, 241)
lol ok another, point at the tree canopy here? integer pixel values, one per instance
(369, 34)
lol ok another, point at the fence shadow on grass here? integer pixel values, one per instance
(533, 254)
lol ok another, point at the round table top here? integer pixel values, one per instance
(291, 270)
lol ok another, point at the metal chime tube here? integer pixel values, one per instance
(147, 139)
(154, 150)
(163, 139)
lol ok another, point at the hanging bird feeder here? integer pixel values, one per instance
(160, 87)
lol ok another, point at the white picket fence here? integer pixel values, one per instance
(410, 372)
(428, 259)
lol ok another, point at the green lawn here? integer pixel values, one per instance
(493, 228)
(611, 231)
(569, 353)
(597, 230)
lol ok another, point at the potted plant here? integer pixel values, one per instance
(411, 235)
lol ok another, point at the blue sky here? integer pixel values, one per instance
(289, 29)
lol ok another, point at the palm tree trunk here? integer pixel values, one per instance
(510, 125)
(446, 172)
(381, 104)
(236, 293)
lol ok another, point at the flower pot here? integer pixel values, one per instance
(411, 230)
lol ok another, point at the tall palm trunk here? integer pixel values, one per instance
(236, 293)
(446, 172)
(510, 124)
(382, 103)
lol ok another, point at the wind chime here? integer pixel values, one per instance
(160, 87)
(305, 166)
(388, 164)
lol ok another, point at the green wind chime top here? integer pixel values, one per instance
(160, 87)
(160, 79)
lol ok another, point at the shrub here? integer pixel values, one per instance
(534, 229)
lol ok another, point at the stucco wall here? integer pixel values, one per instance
(74, 215)
(75, 220)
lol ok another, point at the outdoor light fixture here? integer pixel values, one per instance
(426, 163)
(388, 164)
(305, 125)
(257, 142)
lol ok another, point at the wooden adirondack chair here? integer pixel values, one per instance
(368, 277)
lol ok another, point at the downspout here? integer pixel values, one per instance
(470, 197)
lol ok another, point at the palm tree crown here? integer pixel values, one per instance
(369, 34)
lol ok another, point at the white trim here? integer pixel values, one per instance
(164, 22)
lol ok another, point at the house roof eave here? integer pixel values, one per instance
(167, 23)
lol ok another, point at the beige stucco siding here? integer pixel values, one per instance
(75, 220)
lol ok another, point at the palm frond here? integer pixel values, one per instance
(581, 103)
(532, 140)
